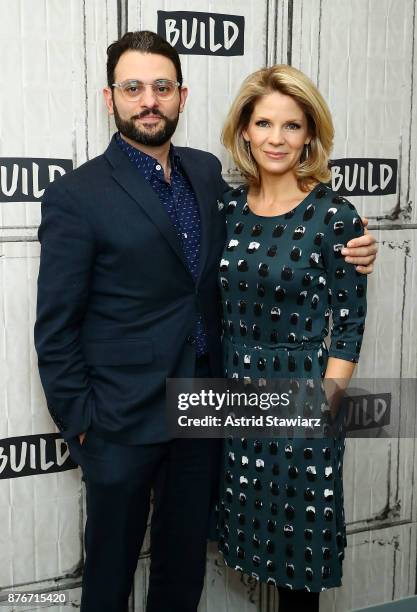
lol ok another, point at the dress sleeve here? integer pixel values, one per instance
(347, 287)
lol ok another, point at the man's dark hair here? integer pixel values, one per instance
(145, 42)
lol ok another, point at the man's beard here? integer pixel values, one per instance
(142, 136)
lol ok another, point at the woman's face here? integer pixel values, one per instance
(277, 133)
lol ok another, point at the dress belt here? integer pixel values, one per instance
(305, 345)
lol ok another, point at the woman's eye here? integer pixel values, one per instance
(293, 126)
(262, 123)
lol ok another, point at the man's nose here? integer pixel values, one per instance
(148, 98)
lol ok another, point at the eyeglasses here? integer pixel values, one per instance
(132, 89)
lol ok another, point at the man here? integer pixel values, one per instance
(127, 297)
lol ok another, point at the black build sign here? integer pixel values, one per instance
(32, 455)
(364, 177)
(24, 179)
(203, 33)
(367, 411)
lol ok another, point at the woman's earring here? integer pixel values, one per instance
(306, 152)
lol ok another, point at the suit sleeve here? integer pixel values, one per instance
(67, 256)
(347, 286)
(224, 186)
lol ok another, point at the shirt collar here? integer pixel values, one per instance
(146, 163)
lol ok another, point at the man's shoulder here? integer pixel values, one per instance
(197, 154)
(87, 174)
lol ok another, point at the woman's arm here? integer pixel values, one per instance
(347, 288)
(339, 368)
(336, 380)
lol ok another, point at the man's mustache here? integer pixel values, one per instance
(149, 111)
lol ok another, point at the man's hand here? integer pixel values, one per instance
(81, 438)
(361, 251)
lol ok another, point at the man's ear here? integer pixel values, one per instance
(183, 97)
(108, 99)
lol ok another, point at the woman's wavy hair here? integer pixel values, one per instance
(291, 82)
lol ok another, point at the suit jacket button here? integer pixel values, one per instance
(190, 340)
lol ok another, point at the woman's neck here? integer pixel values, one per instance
(276, 193)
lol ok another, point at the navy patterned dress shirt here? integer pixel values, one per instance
(180, 202)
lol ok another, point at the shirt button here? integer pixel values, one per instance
(158, 167)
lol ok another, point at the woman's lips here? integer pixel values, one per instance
(273, 155)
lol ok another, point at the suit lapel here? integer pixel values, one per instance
(202, 192)
(139, 189)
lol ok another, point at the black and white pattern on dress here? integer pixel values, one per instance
(283, 279)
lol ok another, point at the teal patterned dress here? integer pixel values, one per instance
(281, 517)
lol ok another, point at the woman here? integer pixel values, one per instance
(281, 513)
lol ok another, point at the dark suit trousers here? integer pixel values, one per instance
(183, 474)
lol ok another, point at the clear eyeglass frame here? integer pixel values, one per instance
(127, 88)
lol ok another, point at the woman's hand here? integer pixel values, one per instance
(362, 251)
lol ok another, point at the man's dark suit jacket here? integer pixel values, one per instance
(116, 304)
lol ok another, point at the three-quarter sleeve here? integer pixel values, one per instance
(347, 287)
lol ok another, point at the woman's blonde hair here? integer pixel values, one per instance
(291, 82)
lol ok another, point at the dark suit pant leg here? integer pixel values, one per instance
(118, 482)
(184, 496)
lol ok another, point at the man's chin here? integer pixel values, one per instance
(150, 138)
(145, 131)
(151, 135)
(150, 129)
(154, 123)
